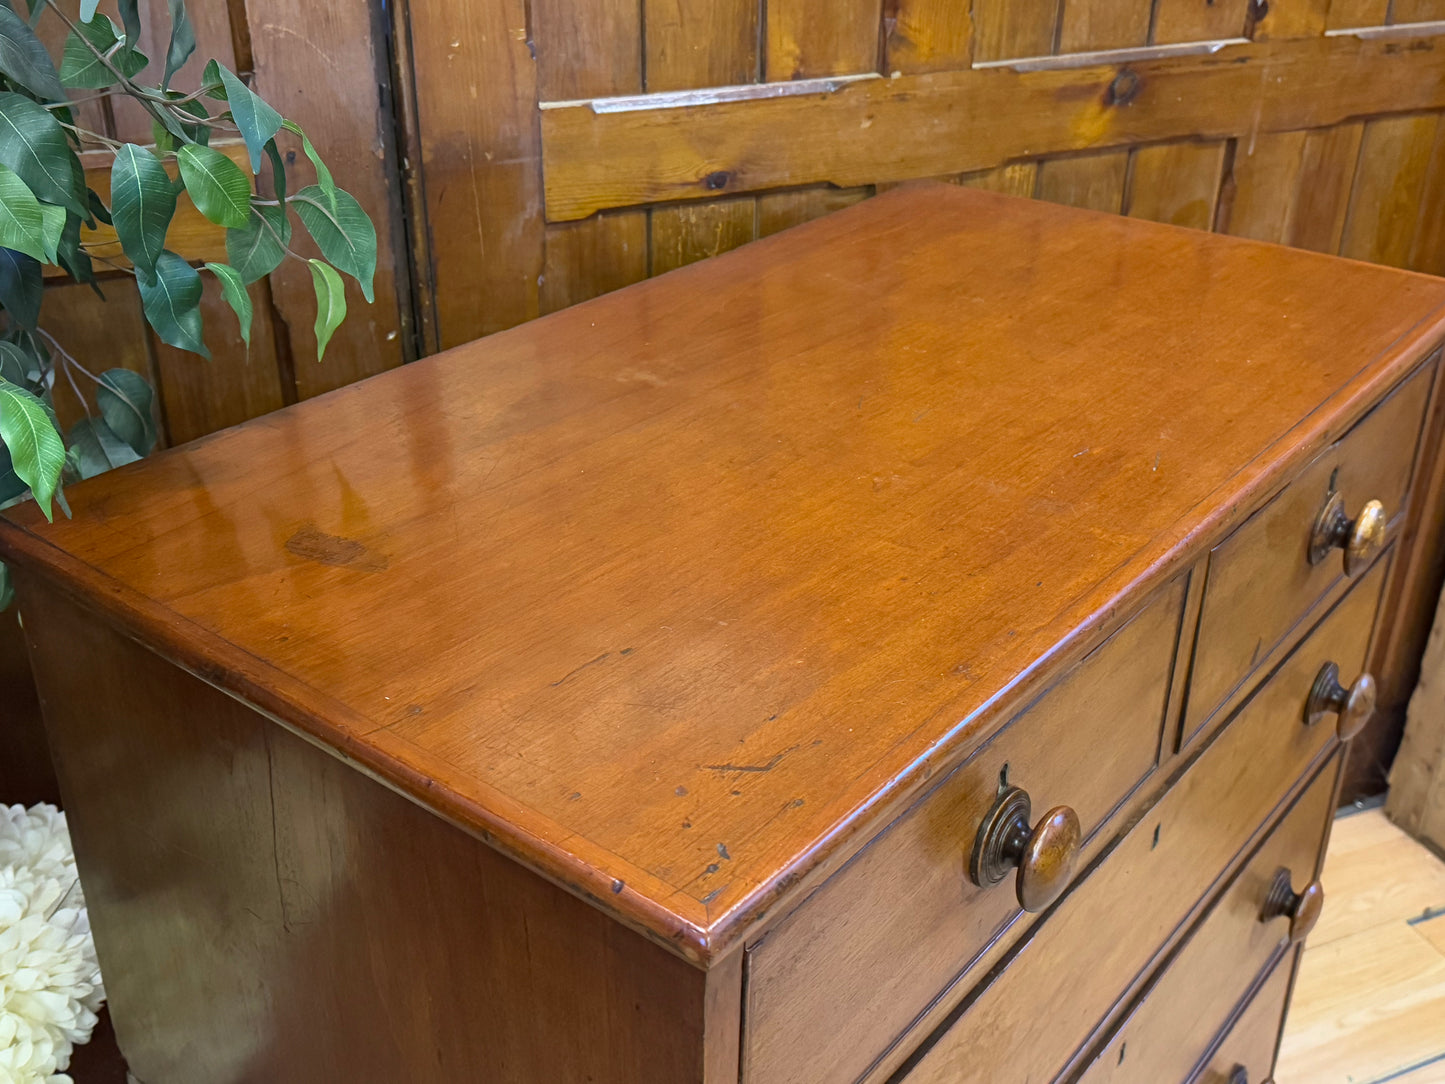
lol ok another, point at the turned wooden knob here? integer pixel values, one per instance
(1044, 854)
(1238, 1075)
(1354, 705)
(1361, 538)
(1301, 908)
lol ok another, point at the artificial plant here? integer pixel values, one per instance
(45, 202)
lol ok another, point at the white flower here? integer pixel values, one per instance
(50, 987)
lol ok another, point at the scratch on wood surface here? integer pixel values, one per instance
(769, 766)
(310, 543)
(578, 670)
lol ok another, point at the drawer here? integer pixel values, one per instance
(848, 972)
(1261, 581)
(1174, 1025)
(1246, 1054)
(1045, 1002)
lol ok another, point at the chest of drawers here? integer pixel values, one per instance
(915, 648)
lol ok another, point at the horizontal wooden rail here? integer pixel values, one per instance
(871, 130)
(191, 235)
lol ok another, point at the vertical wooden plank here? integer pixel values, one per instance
(780, 210)
(200, 396)
(1087, 25)
(592, 257)
(1327, 171)
(1349, 13)
(1176, 183)
(1014, 179)
(211, 21)
(1284, 19)
(1014, 28)
(1092, 181)
(687, 232)
(807, 38)
(1427, 253)
(699, 43)
(321, 65)
(1417, 11)
(927, 36)
(477, 191)
(1266, 184)
(1199, 20)
(1385, 204)
(100, 335)
(587, 49)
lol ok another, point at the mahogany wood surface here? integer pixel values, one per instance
(26, 774)
(1172, 1027)
(1253, 1041)
(675, 594)
(265, 914)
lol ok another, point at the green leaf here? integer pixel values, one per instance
(183, 40)
(15, 365)
(24, 60)
(72, 257)
(127, 403)
(142, 203)
(324, 180)
(82, 69)
(96, 449)
(130, 19)
(52, 225)
(22, 223)
(259, 248)
(330, 303)
(21, 286)
(11, 484)
(257, 121)
(278, 170)
(32, 356)
(7, 592)
(346, 236)
(35, 447)
(217, 186)
(172, 303)
(96, 207)
(234, 291)
(33, 144)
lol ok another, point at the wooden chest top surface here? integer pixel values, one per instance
(673, 591)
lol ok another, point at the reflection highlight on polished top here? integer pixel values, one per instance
(667, 590)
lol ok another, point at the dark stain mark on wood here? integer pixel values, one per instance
(574, 795)
(722, 850)
(681, 792)
(713, 868)
(1123, 89)
(414, 709)
(573, 673)
(714, 894)
(769, 766)
(310, 543)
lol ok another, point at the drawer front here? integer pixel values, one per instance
(1031, 1019)
(1261, 581)
(1176, 1022)
(849, 971)
(1246, 1056)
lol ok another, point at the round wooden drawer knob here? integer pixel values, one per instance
(1302, 908)
(1043, 854)
(1238, 1075)
(1361, 538)
(1354, 706)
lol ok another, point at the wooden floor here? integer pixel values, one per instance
(1369, 1003)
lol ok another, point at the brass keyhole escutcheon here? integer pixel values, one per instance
(1361, 538)
(1044, 854)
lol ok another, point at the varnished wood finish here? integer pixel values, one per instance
(846, 973)
(264, 912)
(26, 775)
(1253, 1040)
(1049, 997)
(766, 461)
(1261, 578)
(1177, 1020)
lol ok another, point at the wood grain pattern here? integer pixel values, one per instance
(869, 131)
(26, 774)
(1265, 179)
(104, 335)
(1345, 14)
(1292, 19)
(780, 210)
(1049, 998)
(1014, 28)
(1103, 24)
(1395, 155)
(689, 232)
(1417, 779)
(1176, 183)
(321, 66)
(1091, 181)
(1327, 174)
(1199, 20)
(1179, 1017)
(1254, 1038)
(348, 934)
(807, 38)
(846, 973)
(678, 457)
(927, 35)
